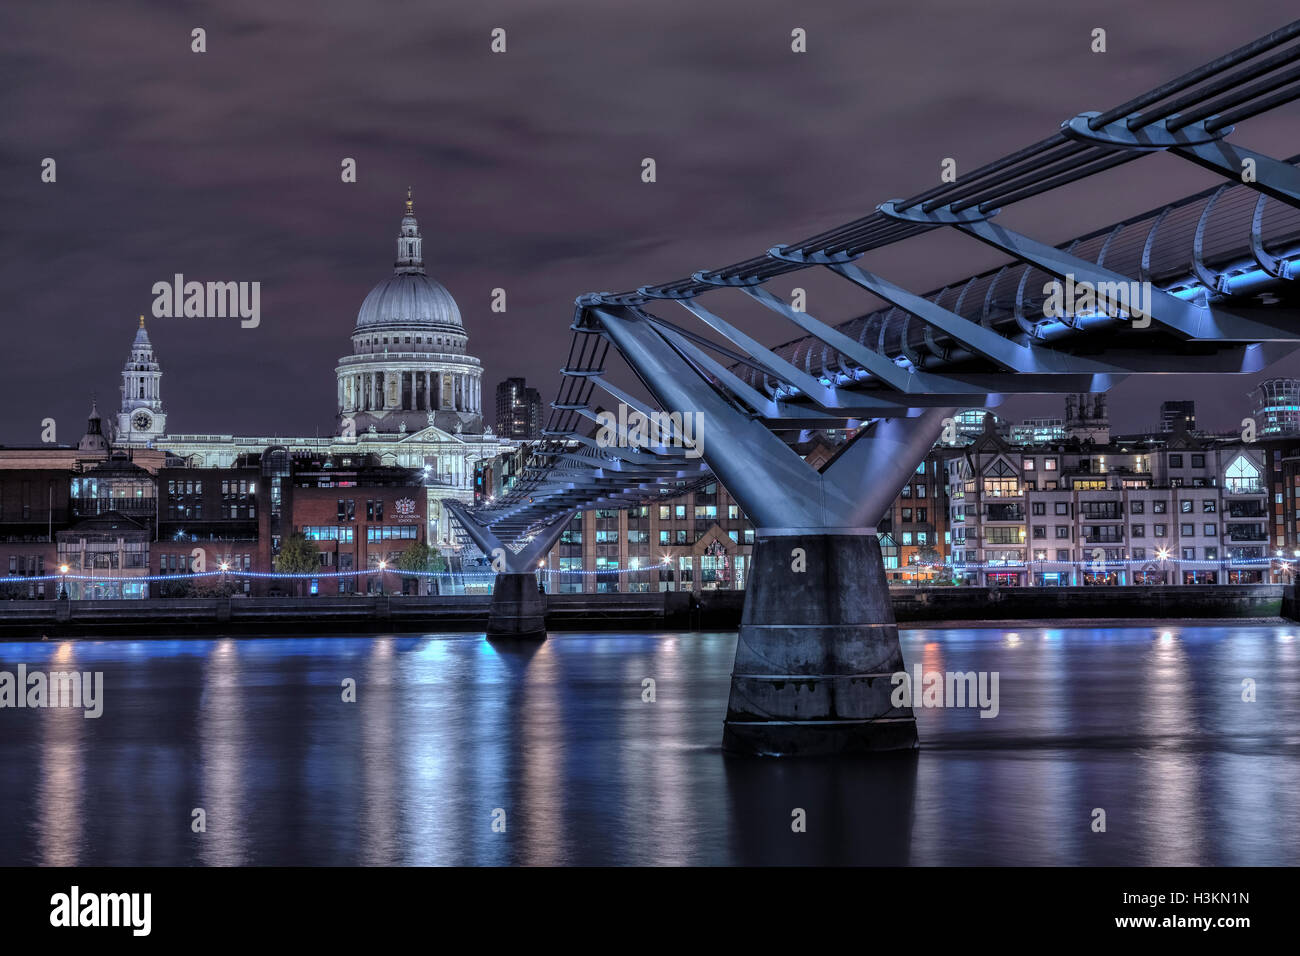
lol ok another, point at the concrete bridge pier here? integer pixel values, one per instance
(518, 607)
(818, 644)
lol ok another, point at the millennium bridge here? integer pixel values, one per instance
(1198, 286)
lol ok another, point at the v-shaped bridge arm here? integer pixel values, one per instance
(774, 485)
(522, 560)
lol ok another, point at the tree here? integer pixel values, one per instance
(297, 555)
(176, 588)
(215, 587)
(419, 557)
(928, 554)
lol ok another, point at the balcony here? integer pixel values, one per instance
(1245, 532)
(1097, 511)
(1001, 512)
(1247, 509)
(1244, 488)
(1003, 536)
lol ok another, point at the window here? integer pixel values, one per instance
(1139, 531)
(1040, 532)
(907, 537)
(1211, 530)
(1062, 554)
(1049, 464)
(907, 514)
(1189, 554)
(1187, 529)
(1159, 507)
(920, 491)
(1062, 507)
(1207, 505)
(679, 511)
(1185, 506)
(1211, 554)
(1039, 508)
(1137, 507)
(663, 537)
(1243, 477)
(1160, 530)
(1139, 554)
(1063, 531)
(1175, 461)
(1198, 461)
(664, 512)
(1028, 464)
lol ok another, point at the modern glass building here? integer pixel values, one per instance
(1277, 407)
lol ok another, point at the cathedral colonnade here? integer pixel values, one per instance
(419, 390)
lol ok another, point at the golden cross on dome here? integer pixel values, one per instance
(142, 321)
(408, 200)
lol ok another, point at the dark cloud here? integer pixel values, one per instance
(525, 166)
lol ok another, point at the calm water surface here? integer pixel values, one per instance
(1146, 723)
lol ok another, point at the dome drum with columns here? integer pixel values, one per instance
(409, 368)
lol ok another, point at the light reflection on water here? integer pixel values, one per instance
(1145, 723)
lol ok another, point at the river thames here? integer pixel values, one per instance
(449, 734)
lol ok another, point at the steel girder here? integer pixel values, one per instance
(1225, 313)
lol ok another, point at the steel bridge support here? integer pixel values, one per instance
(818, 641)
(518, 607)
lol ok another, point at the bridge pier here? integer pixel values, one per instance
(518, 607)
(818, 641)
(818, 644)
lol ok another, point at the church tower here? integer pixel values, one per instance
(141, 418)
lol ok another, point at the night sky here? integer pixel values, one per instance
(526, 170)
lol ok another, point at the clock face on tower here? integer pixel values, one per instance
(142, 421)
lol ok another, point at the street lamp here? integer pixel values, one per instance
(63, 586)
(1163, 555)
(383, 566)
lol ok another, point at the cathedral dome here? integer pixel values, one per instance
(408, 299)
(410, 367)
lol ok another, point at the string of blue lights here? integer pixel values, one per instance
(311, 575)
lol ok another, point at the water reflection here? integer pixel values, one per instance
(1146, 723)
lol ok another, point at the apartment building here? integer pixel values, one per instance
(1189, 511)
